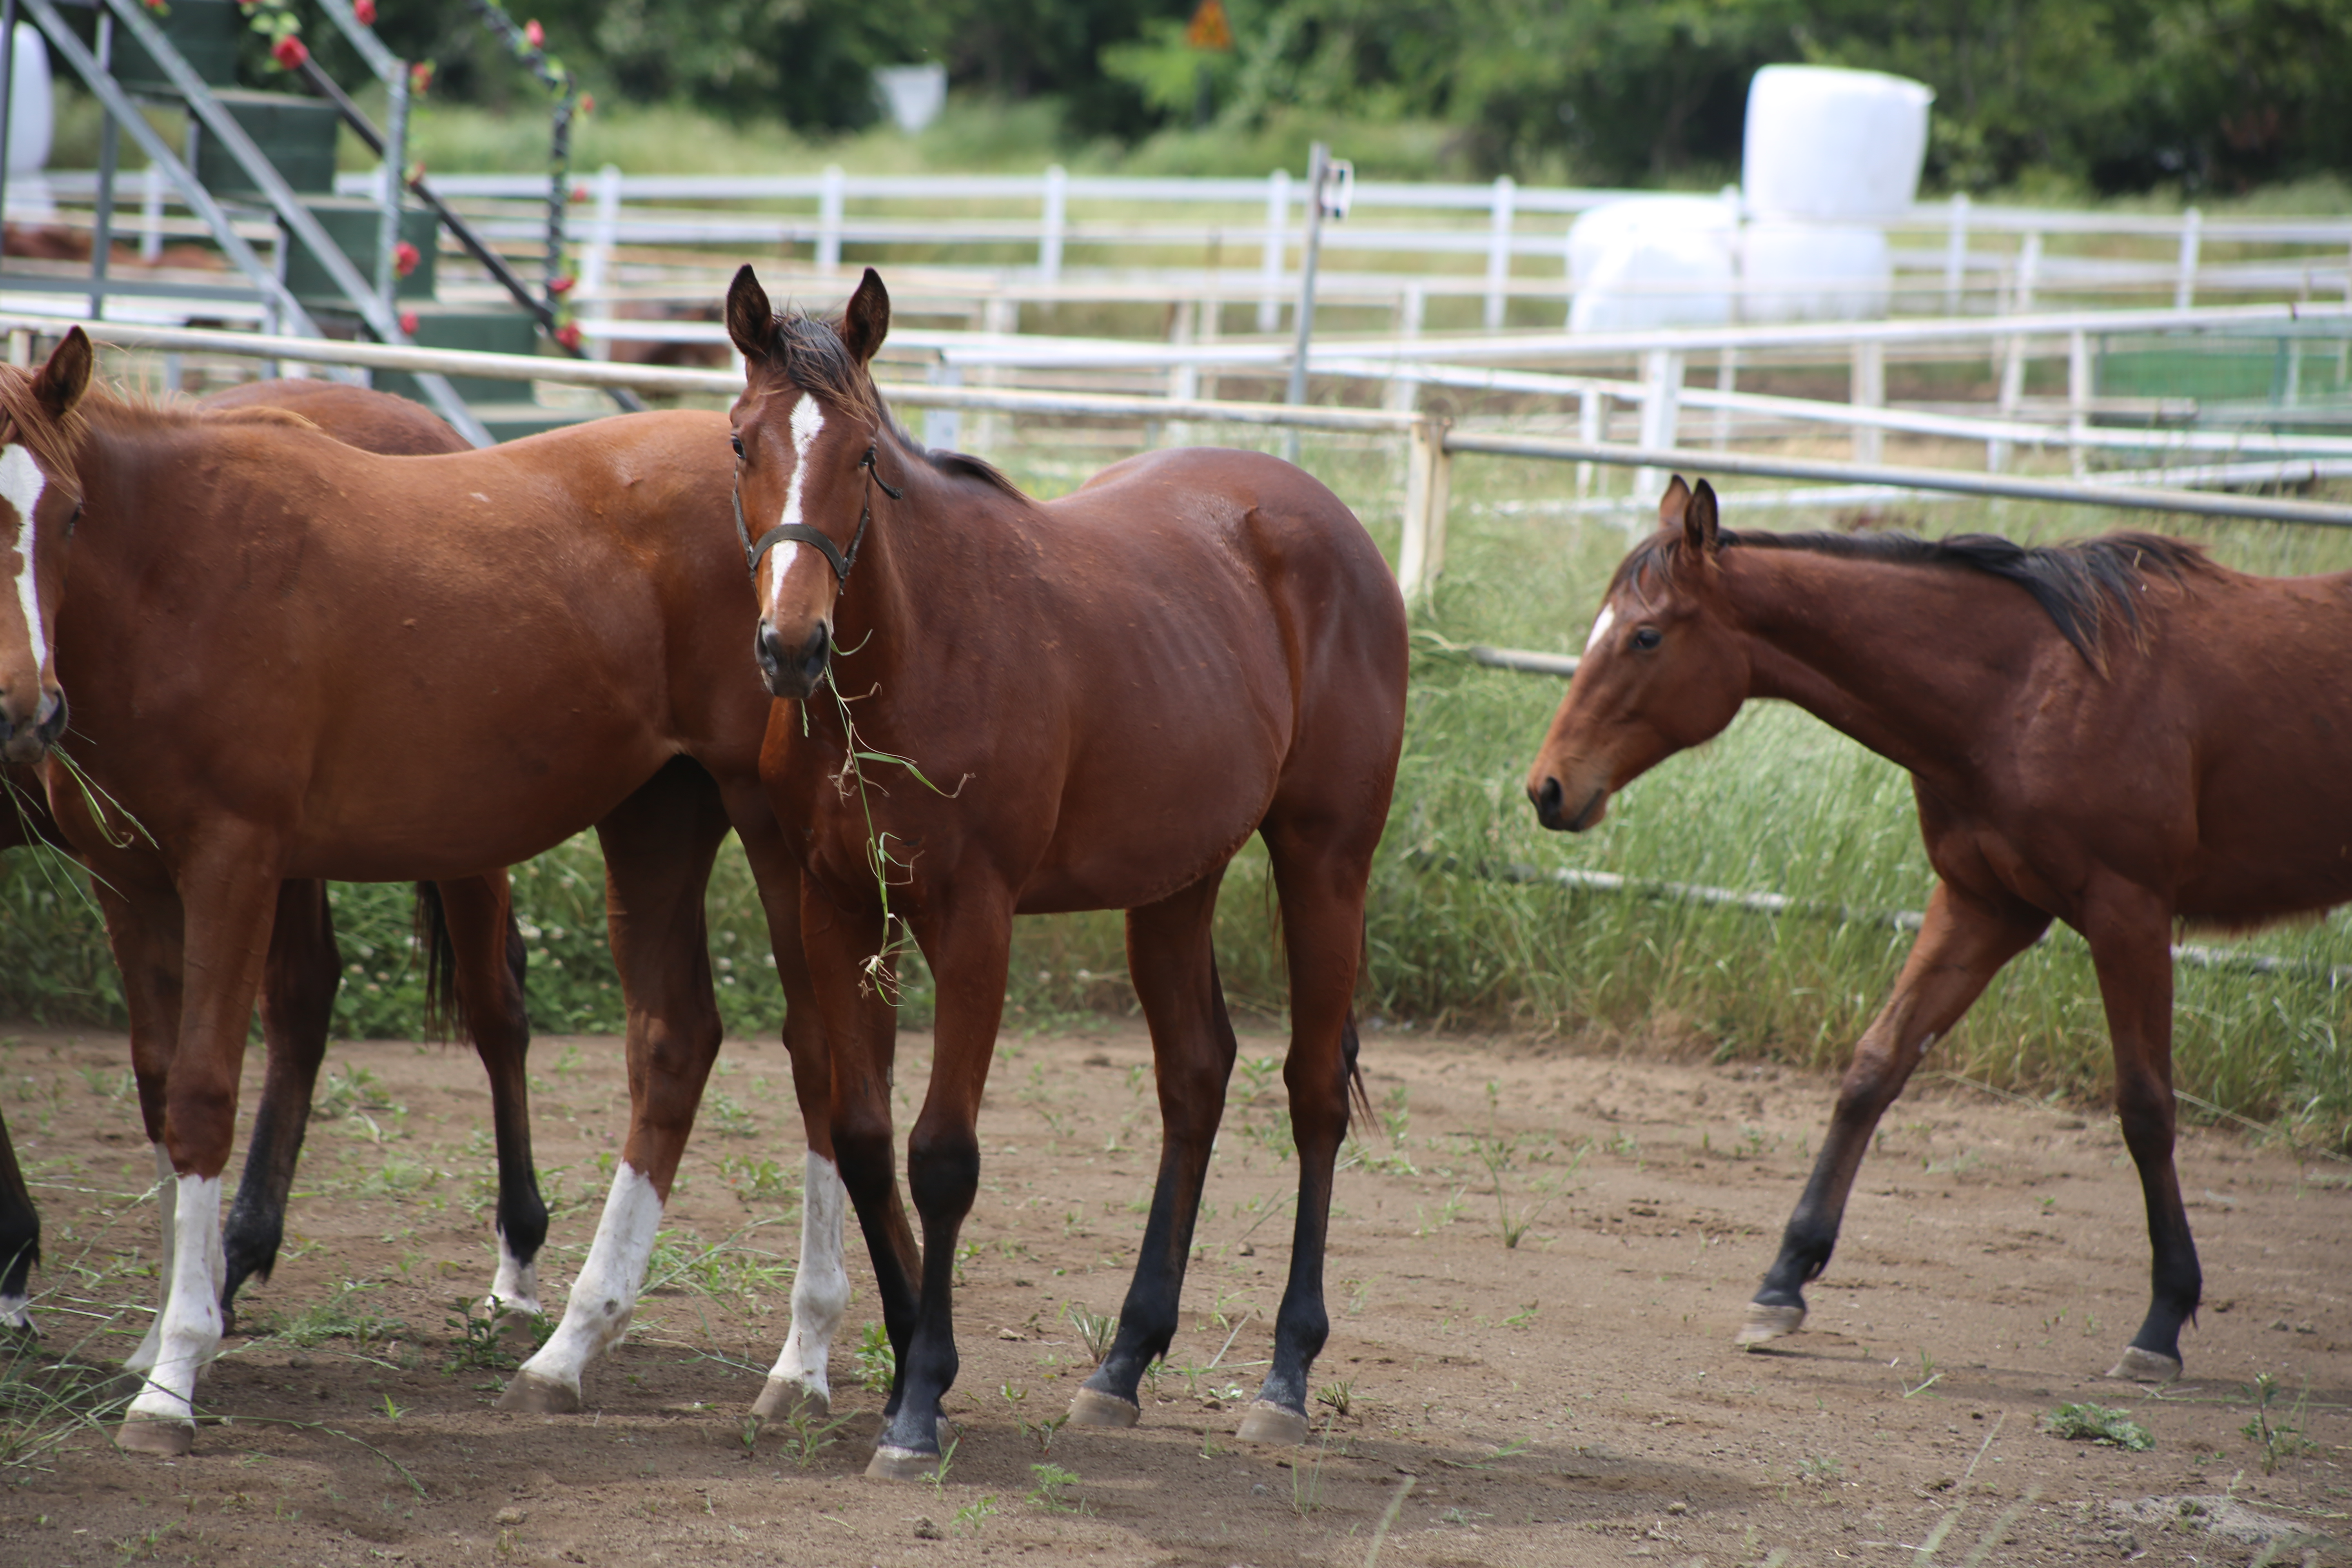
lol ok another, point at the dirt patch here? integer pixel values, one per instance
(1572, 1399)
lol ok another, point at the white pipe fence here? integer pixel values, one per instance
(1432, 442)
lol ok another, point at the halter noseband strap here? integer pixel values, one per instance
(802, 534)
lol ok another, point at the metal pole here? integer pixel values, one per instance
(110, 151)
(8, 79)
(1318, 168)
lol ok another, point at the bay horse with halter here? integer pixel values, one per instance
(293, 660)
(473, 958)
(2116, 733)
(997, 707)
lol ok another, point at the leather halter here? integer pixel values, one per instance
(802, 534)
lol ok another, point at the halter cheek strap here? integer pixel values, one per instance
(802, 534)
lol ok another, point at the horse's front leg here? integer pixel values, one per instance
(2130, 932)
(1962, 944)
(658, 847)
(967, 934)
(228, 887)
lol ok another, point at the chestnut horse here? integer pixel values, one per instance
(1003, 708)
(2117, 732)
(305, 968)
(295, 660)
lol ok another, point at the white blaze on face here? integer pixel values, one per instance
(21, 485)
(1600, 625)
(807, 422)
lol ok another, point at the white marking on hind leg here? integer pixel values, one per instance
(167, 1199)
(821, 1288)
(605, 1297)
(514, 1290)
(192, 1316)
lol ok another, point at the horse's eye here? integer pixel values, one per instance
(737, 442)
(74, 521)
(1647, 637)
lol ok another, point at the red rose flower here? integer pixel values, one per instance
(365, 11)
(408, 322)
(404, 257)
(290, 52)
(587, 103)
(568, 334)
(420, 77)
(561, 284)
(533, 34)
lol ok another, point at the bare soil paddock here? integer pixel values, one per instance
(1574, 1399)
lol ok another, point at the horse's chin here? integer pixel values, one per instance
(24, 748)
(1594, 808)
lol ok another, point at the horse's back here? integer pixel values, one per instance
(377, 422)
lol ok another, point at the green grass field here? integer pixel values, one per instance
(1779, 804)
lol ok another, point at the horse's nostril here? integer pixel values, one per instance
(1548, 802)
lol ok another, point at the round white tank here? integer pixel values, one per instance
(31, 110)
(1662, 262)
(1813, 272)
(1832, 145)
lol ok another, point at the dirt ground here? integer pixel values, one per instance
(1574, 1399)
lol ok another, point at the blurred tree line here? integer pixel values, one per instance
(2112, 95)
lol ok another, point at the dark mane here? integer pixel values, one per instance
(51, 441)
(2081, 585)
(813, 359)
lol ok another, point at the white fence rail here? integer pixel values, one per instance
(1431, 442)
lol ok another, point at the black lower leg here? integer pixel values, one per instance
(20, 1232)
(942, 1175)
(864, 1160)
(1147, 1320)
(1302, 1324)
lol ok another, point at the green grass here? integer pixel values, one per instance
(1778, 803)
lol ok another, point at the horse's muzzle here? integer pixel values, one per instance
(792, 673)
(1551, 807)
(29, 739)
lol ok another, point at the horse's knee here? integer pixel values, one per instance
(942, 1168)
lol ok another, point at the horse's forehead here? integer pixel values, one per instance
(21, 484)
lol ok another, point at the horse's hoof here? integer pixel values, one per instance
(783, 1399)
(531, 1395)
(147, 1434)
(1267, 1422)
(2146, 1366)
(1766, 1324)
(894, 1464)
(1090, 1409)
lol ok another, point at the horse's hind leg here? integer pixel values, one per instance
(20, 1240)
(486, 957)
(2130, 932)
(1963, 941)
(658, 847)
(1320, 869)
(1174, 966)
(297, 1004)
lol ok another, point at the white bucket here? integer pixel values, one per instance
(913, 94)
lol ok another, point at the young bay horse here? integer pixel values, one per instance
(305, 969)
(294, 660)
(1105, 697)
(2116, 733)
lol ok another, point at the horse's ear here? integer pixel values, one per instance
(867, 321)
(1671, 504)
(66, 376)
(750, 319)
(1699, 522)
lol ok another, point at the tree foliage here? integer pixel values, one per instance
(2111, 94)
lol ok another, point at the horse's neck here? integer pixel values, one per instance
(906, 583)
(1899, 657)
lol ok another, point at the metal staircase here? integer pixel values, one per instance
(266, 152)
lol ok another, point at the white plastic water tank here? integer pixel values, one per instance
(1653, 261)
(31, 124)
(1832, 145)
(1813, 272)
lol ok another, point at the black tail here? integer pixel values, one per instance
(1359, 1101)
(441, 1005)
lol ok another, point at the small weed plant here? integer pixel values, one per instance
(2088, 1423)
